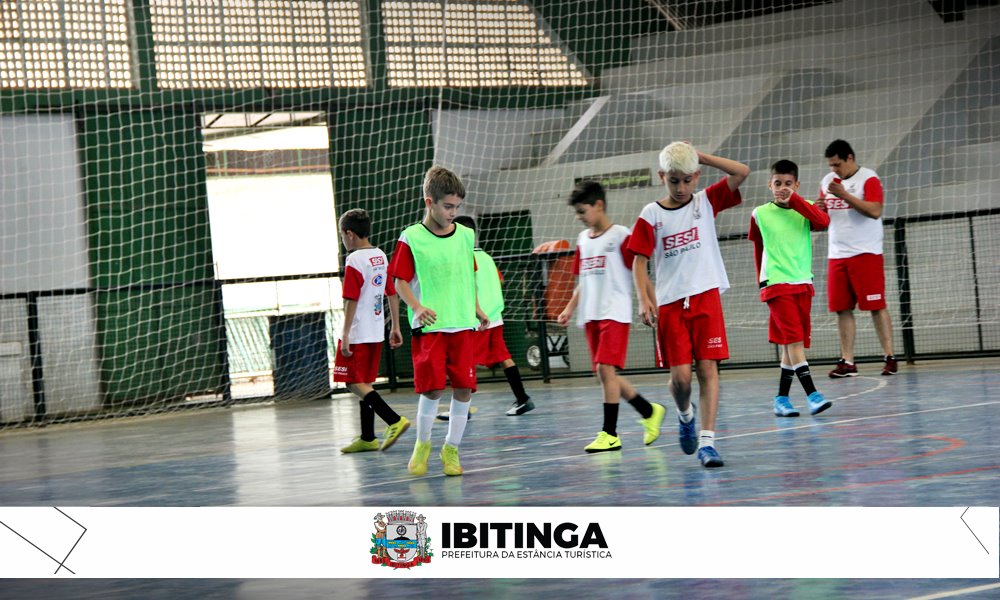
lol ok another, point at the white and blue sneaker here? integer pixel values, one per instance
(817, 403)
(687, 434)
(709, 457)
(783, 407)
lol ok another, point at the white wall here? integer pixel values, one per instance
(43, 242)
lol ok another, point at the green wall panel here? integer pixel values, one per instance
(151, 258)
(379, 157)
(158, 345)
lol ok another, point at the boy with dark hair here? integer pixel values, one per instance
(490, 346)
(780, 232)
(852, 195)
(678, 232)
(434, 269)
(360, 346)
(604, 296)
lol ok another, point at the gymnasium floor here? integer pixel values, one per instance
(923, 438)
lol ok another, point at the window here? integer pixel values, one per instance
(472, 44)
(65, 44)
(257, 43)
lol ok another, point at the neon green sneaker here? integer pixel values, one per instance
(605, 442)
(359, 445)
(652, 424)
(418, 460)
(449, 458)
(392, 432)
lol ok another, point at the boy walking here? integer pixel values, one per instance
(780, 232)
(604, 296)
(679, 231)
(434, 270)
(360, 346)
(491, 349)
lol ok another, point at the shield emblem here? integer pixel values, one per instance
(401, 540)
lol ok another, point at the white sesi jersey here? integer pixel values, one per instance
(366, 281)
(683, 243)
(852, 233)
(603, 266)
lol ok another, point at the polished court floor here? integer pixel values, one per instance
(923, 438)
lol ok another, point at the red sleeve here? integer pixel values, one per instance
(576, 262)
(353, 282)
(500, 275)
(642, 240)
(721, 197)
(627, 254)
(390, 287)
(818, 220)
(758, 245)
(873, 190)
(402, 266)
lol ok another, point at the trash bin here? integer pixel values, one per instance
(301, 361)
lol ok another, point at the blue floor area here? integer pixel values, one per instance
(925, 437)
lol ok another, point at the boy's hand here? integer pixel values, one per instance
(424, 316)
(563, 317)
(395, 338)
(345, 346)
(821, 204)
(782, 197)
(837, 189)
(647, 310)
(484, 321)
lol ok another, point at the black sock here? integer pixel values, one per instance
(611, 419)
(642, 405)
(516, 385)
(367, 421)
(382, 409)
(805, 378)
(785, 384)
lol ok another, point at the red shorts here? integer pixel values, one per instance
(361, 366)
(608, 342)
(789, 322)
(490, 347)
(856, 280)
(694, 333)
(440, 358)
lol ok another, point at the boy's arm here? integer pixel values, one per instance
(350, 307)
(484, 320)
(563, 318)
(395, 335)
(644, 289)
(869, 208)
(818, 219)
(758, 244)
(421, 313)
(735, 171)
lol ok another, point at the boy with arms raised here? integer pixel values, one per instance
(780, 232)
(679, 231)
(434, 270)
(604, 296)
(360, 347)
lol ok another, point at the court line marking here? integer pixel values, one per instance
(958, 592)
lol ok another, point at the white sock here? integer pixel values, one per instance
(686, 415)
(706, 438)
(426, 413)
(458, 417)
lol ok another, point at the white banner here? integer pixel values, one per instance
(524, 542)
